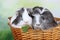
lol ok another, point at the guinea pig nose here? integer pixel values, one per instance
(38, 24)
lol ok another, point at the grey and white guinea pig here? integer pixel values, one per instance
(42, 18)
(17, 17)
(22, 17)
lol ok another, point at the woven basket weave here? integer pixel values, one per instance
(51, 34)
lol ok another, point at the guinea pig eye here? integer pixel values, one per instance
(36, 11)
(31, 15)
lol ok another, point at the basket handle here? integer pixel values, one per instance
(9, 18)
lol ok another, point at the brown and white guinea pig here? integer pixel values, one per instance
(21, 18)
(42, 18)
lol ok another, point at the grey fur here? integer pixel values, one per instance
(46, 19)
(19, 15)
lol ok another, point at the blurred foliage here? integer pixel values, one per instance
(6, 35)
(5, 32)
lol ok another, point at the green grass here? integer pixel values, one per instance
(5, 32)
(6, 35)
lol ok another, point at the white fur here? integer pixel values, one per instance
(44, 9)
(37, 16)
(19, 25)
(26, 17)
(37, 19)
(26, 20)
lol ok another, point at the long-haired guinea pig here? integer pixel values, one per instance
(42, 18)
(22, 17)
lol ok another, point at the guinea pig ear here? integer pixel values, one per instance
(37, 10)
(20, 11)
(29, 10)
(35, 7)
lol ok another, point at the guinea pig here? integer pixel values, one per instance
(21, 18)
(42, 18)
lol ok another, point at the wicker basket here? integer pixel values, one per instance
(51, 34)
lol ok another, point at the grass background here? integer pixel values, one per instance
(8, 8)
